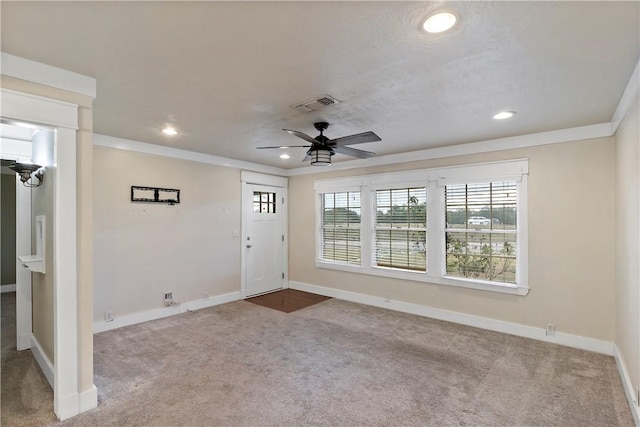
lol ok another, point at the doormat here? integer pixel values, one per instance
(287, 300)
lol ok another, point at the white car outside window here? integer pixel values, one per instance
(478, 220)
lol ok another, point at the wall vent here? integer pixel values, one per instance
(316, 104)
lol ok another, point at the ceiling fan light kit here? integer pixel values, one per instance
(320, 157)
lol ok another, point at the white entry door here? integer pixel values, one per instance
(263, 238)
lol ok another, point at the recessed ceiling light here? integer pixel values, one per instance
(504, 115)
(170, 130)
(285, 156)
(439, 22)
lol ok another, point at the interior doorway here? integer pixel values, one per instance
(17, 146)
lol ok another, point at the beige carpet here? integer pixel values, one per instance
(27, 398)
(342, 364)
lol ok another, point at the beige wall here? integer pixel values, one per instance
(8, 228)
(571, 226)
(143, 250)
(43, 284)
(627, 240)
(84, 213)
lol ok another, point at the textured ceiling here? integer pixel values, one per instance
(226, 73)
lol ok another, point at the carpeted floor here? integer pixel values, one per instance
(26, 397)
(342, 364)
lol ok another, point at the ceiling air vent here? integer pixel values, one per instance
(315, 104)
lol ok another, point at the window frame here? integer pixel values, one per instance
(434, 179)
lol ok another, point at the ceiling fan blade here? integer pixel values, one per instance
(284, 146)
(361, 154)
(359, 138)
(307, 158)
(301, 135)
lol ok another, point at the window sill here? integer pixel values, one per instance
(511, 289)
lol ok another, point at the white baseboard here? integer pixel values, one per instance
(159, 313)
(629, 390)
(88, 399)
(67, 406)
(7, 288)
(43, 361)
(569, 340)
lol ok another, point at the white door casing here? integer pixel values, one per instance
(62, 116)
(264, 240)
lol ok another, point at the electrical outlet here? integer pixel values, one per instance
(387, 299)
(551, 330)
(108, 316)
(168, 296)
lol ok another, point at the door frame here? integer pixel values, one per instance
(248, 178)
(63, 117)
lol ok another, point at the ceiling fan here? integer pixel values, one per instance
(322, 148)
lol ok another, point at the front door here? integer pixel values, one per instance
(263, 238)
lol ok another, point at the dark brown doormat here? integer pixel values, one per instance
(287, 300)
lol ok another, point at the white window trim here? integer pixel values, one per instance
(434, 179)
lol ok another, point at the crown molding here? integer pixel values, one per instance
(26, 69)
(521, 141)
(629, 94)
(543, 138)
(176, 153)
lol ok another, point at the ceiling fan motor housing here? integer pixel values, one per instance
(321, 126)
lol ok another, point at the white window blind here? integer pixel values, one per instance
(341, 227)
(481, 231)
(401, 228)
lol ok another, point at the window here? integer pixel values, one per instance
(264, 202)
(481, 231)
(461, 226)
(341, 227)
(401, 228)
